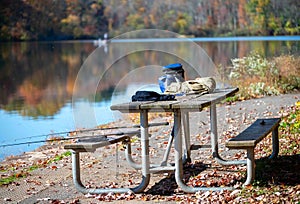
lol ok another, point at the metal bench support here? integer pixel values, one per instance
(250, 137)
(78, 148)
(81, 188)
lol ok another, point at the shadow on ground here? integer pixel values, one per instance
(284, 170)
(168, 185)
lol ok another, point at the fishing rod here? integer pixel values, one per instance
(82, 137)
(91, 129)
(103, 137)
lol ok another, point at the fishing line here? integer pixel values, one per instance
(81, 137)
(71, 138)
(87, 130)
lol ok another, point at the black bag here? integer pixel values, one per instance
(151, 96)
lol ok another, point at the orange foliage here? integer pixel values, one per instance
(31, 94)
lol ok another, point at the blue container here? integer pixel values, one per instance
(173, 73)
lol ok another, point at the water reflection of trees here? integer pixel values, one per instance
(37, 79)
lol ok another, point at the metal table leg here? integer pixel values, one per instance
(168, 149)
(145, 149)
(214, 139)
(129, 158)
(178, 160)
(186, 130)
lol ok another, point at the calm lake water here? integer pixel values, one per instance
(50, 87)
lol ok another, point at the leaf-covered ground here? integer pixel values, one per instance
(45, 176)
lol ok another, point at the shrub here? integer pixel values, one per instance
(257, 76)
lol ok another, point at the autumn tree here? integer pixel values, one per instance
(84, 19)
(78, 19)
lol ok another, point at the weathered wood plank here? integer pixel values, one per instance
(218, 95)
(159, 105)
(130, 106)
(191, 105)
(198, 102)
(92, 144)
(254, 133)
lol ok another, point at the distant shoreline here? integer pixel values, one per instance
(212, 39)
(180, 39)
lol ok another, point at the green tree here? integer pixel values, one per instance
(135, 21)
(259, 11)
(182, 23)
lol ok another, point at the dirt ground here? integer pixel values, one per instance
(107, 167)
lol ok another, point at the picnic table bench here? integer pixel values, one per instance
(250, 137)
(91, 144)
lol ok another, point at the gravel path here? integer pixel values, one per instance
(53, 183)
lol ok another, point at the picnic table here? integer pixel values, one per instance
(180, 109)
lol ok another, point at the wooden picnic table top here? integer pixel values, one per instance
(193, 102)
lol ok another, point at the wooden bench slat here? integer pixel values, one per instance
(90, 146)
(254, 133)
(91, 143)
